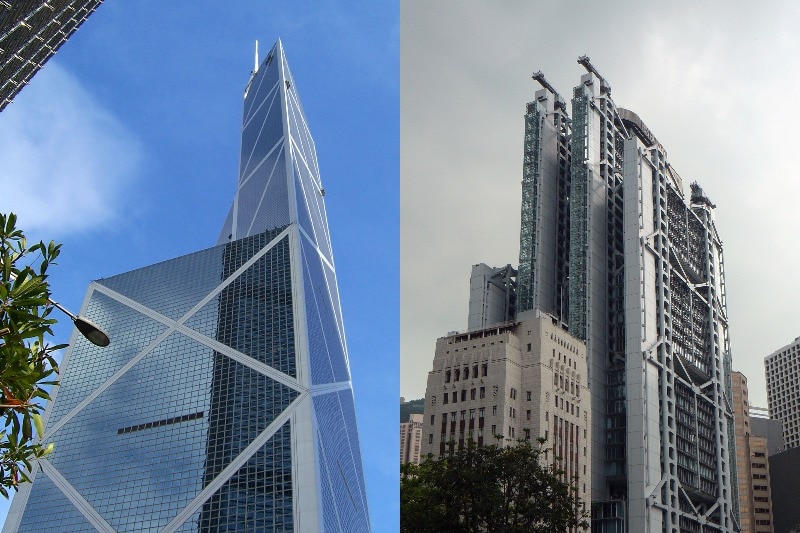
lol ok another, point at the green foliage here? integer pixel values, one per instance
(498, 489)
(411, 407)
(26, 360)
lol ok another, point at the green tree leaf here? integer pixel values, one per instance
(498, 489)
(26, 361)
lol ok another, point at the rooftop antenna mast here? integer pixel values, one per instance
(604, 86)
(255, 68)
(252, 74)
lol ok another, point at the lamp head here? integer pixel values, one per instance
(92, 331)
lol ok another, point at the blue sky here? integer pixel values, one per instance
(125, 149)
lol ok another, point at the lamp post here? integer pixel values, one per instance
(88, 329)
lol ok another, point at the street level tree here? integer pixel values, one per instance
(500, 489)
(27, 365)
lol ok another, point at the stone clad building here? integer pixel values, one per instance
(523, 379)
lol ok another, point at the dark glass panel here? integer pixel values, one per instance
(171, 287)
(326, 346)
(259, 496)
(345, 507)
(255, 144)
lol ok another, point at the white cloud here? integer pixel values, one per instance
(65, 161)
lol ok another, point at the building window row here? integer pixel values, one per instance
(567, 406)
(453, 397)
(459, 375)
(564, 344)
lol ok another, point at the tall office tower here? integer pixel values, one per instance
(544, 228)
(755, 498)
(31, 31)
(521, 380)
(411, 439)
(224, 401)
(783, 396)
(492, 295)
(646, 294)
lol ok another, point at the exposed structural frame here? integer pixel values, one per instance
(644, 272)
(544, 227)
(31, 31)
(678, 357)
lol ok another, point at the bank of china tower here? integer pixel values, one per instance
(224, 401)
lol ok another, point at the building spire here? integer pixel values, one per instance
(255, 64)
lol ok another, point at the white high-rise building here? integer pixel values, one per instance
(619, 255)
(616, 249)
(783, 391)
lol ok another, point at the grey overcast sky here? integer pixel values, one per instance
(714, 82)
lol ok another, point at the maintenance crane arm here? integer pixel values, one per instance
(604, 86)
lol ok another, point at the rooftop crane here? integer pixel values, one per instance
(559, 102)
(604, 86)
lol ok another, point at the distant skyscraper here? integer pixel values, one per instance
(31, 31)
(224, 402)
(411, 439)
(783, 396)
(755, 499)
(643, 270)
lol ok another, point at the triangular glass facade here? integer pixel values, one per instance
(224, 402)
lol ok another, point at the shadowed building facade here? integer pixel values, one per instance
(224, 402)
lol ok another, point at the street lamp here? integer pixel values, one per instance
(88, 329)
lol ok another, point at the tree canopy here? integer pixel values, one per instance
(498, 489)
(27, 365)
